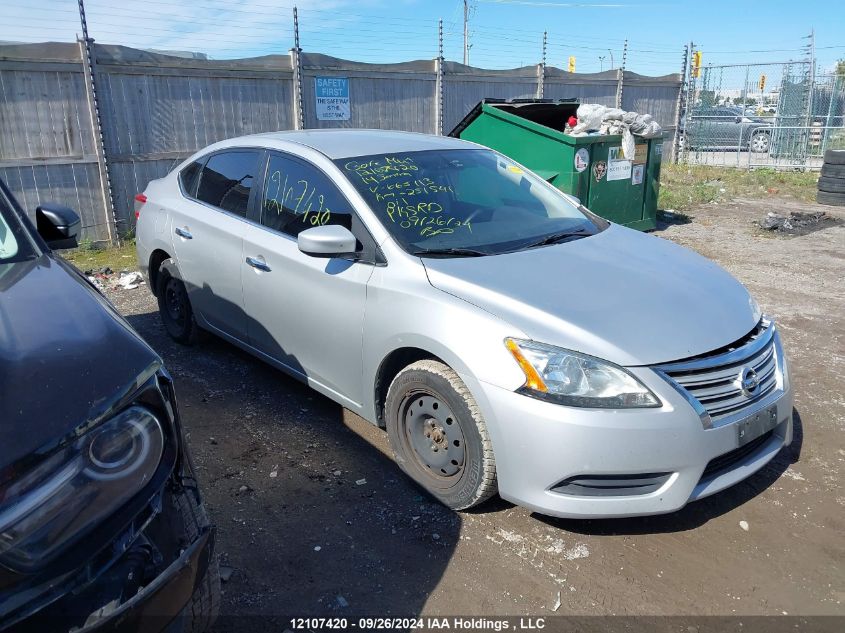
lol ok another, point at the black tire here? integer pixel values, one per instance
(428, 411)
(832, 199)
(204, 606)
(174, 306)
(835, 157)
(832, 185)
(833, 171)
(759, 142)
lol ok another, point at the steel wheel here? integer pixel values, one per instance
(434, 435)
(175, 301)
(438, 435)
(174, 306)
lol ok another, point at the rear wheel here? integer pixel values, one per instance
(175, 309)
(759, 143)
(438, 435)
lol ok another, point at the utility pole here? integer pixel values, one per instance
(466, 32)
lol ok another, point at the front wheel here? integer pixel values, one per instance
(438, 435)
(759, 143)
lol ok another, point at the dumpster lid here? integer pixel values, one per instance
(551, 113)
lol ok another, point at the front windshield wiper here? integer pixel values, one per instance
(556, 238)
(446, 252)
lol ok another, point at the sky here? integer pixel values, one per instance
(503, 33)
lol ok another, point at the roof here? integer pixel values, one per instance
(347, 143)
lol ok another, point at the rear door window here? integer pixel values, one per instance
(298, 196)
(188, 178)
(227, 178)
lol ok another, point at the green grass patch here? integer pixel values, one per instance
(683, 187)
(88, 256)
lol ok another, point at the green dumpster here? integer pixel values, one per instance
(530, 131)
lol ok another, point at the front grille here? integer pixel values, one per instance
(725, 462)
(714, 380)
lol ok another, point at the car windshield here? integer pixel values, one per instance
(15, 246)
(465, 202)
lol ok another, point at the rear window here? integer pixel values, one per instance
(227, 179)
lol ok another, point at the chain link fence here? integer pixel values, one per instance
(780, 115)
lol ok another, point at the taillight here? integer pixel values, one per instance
(140, 199)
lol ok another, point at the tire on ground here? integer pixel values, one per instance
(833, 171)
(204, 606)
(833, 199)
(832, 185)
(183, 330)
(476, 481)
(835, 157)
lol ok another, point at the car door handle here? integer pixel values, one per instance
(257, 263)
(183, 233)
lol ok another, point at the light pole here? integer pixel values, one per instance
(612, 65)
(601, 62)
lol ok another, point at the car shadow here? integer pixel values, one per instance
(697, 513)
(312, 518)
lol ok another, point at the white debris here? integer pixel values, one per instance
(342, 602)
(556, 605)
(744, 525)
(360, 482)
(317, 548)
(793, 475)
(435, 536)
(337, 473)
(130, 281)
(510, 537)
(275, 472)
(579, 551)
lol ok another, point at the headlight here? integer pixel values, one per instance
(577, 380)
(43, 510)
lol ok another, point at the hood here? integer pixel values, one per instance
(65, 355)
(621, 295)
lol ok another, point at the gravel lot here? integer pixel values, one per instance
(315, 519)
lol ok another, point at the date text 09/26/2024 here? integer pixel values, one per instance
(419, 624)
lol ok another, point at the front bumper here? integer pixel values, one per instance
(538, 445)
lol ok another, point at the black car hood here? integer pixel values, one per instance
(66, 356)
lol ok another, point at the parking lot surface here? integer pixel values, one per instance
(314, 518)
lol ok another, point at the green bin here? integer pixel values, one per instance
(592, 168)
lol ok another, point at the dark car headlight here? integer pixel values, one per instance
(48, 507)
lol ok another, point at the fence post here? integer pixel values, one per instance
(438, 84)
(679, 106)
(541, 69)
(620, 75)
(96, 126)
(296, 61)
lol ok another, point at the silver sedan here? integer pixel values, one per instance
(508, 339)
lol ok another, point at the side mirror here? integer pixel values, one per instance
(58, 225)
(573, 199)
(331, 240)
